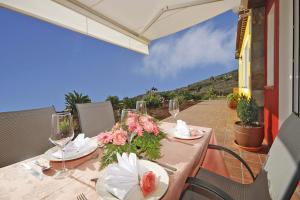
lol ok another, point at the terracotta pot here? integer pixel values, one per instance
(248, 136)
(232, 104)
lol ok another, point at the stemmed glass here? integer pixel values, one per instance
(124, 116)
(141, 107)
(174, 108)
(61, 134)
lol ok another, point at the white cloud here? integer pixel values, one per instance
(198, 47)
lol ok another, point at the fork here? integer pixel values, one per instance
(81, 197)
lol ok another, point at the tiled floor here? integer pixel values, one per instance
(217, 115)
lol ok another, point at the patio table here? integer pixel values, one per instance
(17, 183)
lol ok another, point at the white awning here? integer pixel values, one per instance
(132, 24)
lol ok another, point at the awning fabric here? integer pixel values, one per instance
(132, 24)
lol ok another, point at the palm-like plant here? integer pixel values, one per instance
(73, 98)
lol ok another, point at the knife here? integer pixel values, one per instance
(165, 165)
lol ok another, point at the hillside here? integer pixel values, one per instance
(222, 84)
(157, 102)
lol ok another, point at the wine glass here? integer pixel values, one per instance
(124, 116)
(61, 134)
(174, 108)
(141, 107)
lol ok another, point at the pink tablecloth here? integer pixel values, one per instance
(17, 183)
(214, 161)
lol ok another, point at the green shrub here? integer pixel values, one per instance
(247, 110)
(180, 99)
(153, 99)
(114, 101)
(233, 97)
(187, 96)
(129, 103)
(210, 94)
(166, 96)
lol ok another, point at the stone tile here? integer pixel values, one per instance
(251, 157)
(234, 171)
(215, 114)
(255, 167)
(231, 161)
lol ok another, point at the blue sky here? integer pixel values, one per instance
(41, 62)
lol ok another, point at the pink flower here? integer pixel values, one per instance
(119, 137)
(139, 130)
(155, 130)
(131, 123)
(149, 117)
(147, 183)
(116, 127)
(148, 127)
(131, 120)
(132, 114)
(143, 119)
(105, 138)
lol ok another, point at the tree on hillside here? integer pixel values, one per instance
(154, 89)
(114, 101)
(73, 98)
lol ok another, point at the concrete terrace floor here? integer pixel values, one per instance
(216, 114)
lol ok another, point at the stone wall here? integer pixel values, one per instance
(257, 58)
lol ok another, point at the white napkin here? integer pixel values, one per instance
(182, 129)
(122, 179)
(80, 144)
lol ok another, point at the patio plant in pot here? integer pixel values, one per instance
(249, 134)
(232, 100)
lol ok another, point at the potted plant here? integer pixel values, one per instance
(232, 100)
(248, 132)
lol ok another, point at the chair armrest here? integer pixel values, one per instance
(209, 187)
(221, 148)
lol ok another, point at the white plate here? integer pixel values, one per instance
(93, 144)
(199, 135)
(172, 132)
(160, 174)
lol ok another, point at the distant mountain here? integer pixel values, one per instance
(157, 102)
(222, 84)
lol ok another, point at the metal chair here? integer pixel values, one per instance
(95, 117)
(277, 180)
(24, 134)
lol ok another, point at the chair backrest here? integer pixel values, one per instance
(95, 117)
(282, 166)
(24, 134)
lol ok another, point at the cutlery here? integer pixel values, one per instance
(172, 140)
(169, 172)
(165, 165)
(81, 197)
(94, 180)
(32, 171)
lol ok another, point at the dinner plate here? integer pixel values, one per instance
(182, 137)
(90, 148)
(192, 137)
(160, 175)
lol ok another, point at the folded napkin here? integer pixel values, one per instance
(182, 129)
(79, 145)
(122, 178)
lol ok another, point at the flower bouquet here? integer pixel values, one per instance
(137, 134)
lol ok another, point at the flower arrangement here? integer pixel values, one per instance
(137, 134)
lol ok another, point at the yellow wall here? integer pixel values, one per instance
(245, 90)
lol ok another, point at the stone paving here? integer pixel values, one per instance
(216, 114)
